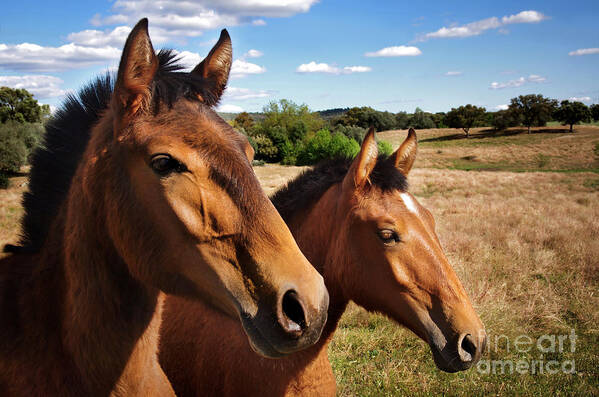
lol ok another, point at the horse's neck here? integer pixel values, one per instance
(110, 321)
(315, 234)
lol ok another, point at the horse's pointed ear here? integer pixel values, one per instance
(136, 70)
(364, 163)
(404, 156)
(215, 68)
(249, 151)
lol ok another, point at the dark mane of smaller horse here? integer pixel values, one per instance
(303, 191)
(54, 164)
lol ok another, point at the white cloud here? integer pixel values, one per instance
(356, 69)
(584, 51)
(242, 94)
(529, 16)
(533, 78)
(113, 38)
(501, 107)
(314, 67)
(98, 38)
(397, 51)
(229, 108)
(36, 58)
(471, 29)
(191, 18)
(580, 99)
(41, 86)
(241, 68)
(453, 73)
(478, 27)
(253, 54)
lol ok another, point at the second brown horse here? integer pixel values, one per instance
(374, 244)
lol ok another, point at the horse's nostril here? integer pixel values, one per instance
(467, 348)
(293, 318)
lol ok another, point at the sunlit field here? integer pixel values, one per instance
(518, 216)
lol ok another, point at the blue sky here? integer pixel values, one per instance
(391, 55)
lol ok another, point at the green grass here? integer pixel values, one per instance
(557, 124)
(371, 356)
(492, 138)
(591, 184)
(471, 165)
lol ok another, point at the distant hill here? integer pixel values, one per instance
(329, 114)
(257, 116)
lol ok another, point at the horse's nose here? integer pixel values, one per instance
(470, 348)
(291, 314)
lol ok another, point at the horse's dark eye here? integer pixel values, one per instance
(164, 164)
(388, 237)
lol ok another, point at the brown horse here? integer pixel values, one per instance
(142, 189)
(374, 244)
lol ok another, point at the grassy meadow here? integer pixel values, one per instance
(518, 216)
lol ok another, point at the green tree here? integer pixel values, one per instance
(534, 110)
(572, 113)
(421, 120)
(367, 117)
(504, 119)
(287, 114)
(465, 117)
(285, 125)
(595, 111)
(19, 105)
(17, 141)
(439, 119)
(243, 120)
(402, 120)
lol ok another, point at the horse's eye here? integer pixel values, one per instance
(163, 164)
(388, 237)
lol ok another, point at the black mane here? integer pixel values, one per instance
(68, 132)
(303, 191)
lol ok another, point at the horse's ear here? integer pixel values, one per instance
(214, 69)
(136, 70)
(364, 163)
(404, 156)
(249, 151)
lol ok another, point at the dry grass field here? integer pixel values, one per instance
(518, 216)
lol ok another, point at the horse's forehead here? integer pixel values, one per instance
(393, 204)
(190, 122)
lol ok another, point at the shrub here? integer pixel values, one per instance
(265, 149)
(17, 141)
(3, 181)
(243, 120)
(385, 148)
(594, 111)
(323, 145)
(351, 131)
(289, 152)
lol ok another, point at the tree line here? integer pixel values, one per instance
(293, 134)
(21, 129)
